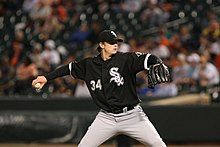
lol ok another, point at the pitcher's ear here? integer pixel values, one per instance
(101, 44)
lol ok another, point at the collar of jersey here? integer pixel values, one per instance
(99, 60)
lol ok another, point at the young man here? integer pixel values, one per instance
(111, 80)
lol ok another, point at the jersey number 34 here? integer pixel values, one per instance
(96, 85)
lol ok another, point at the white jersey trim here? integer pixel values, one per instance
(145, 61)
(70, 69)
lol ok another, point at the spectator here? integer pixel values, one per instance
(185, 37)
(153, 15)
(81, 90)
(50, 55)
(181, 73)
(41, 10)
(81, 34)
(35, 55)
(212, 31)
(62, 51)
(132, 5)
(78, 37)
(207, 74)
(176, 44)
(203, 44)
(59, 89)
(96, 28)
(2, 9)
(18, 47)
(6, 76)
(160, 50)
(123, 46)
(59, 11)
(28, 5)
(25, 72)
(168, 90)
(193, 60)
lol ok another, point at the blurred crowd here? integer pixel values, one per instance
(38, 36)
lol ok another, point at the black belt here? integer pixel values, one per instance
(123, 110)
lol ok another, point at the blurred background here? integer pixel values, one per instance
(38, 36)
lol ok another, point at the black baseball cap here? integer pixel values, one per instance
(108, 36)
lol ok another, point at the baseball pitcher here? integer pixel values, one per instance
(111, 79)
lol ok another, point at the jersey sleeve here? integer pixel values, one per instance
(139, 61)
(78, 69)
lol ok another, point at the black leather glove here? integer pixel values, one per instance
(158, 73)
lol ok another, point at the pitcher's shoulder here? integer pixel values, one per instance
(121, 54)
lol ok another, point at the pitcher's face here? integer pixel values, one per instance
(110, 48)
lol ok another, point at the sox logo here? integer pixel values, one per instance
(116, 77)
(113, 33)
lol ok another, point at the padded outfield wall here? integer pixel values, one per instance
(66, 120)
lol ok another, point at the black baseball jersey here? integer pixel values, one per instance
(112, 83)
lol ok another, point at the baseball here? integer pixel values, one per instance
(37, 86)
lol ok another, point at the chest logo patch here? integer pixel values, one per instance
(116, 77)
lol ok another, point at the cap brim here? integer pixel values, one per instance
(99, 49)
(119, 40)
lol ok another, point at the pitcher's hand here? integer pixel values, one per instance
(39, 82)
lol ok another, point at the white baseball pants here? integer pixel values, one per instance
(133, 123)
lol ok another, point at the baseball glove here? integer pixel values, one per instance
(158, 73)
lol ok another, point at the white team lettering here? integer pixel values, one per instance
(116, 77)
